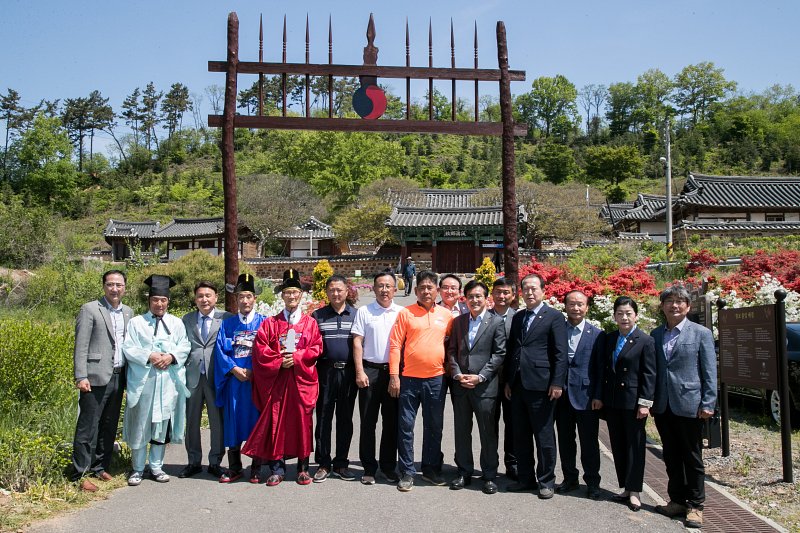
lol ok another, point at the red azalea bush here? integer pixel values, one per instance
(701, 261)
(632, 280)
(783, 265)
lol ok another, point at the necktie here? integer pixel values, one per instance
(204, 329)
(160, 320)
(620, 345)
(573, 340)
(529, 316)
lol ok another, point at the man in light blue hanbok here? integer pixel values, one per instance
(156, 348)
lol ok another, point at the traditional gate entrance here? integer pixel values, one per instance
(369, 102)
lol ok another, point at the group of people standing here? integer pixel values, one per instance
(262, 379)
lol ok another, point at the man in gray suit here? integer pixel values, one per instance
(686, 392)
(201, 329)
(100, 378)
(475, 353)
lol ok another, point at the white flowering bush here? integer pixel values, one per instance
(307, 305)
(601, 313)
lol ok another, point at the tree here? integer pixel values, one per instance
(9, 106)
(550, 103)
(623, 100)
(556, 161)
(150, 117)
(271, 204)
(654, 89)
(366, 223)
(613, 164)
(101, 117)
(175, 104)
(592, 97)
(215, 95)
(132, 113)
(26, 235)
(698, 87)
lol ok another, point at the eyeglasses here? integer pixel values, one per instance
(111, 285)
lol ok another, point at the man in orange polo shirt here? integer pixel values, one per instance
(417, 377)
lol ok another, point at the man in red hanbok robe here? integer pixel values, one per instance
(285, 385)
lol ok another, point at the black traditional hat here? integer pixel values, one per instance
(291, 278)
(245, 283)
(159, 285)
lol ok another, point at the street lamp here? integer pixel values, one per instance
(667, 161)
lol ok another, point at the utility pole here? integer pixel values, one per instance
(669, 188)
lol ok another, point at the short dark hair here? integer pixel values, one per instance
(532, 276)
(676, 291)
(114, 271)
(471, 284)
(204, 284)
(626, 300)
(334, 279)
(451, 276)
(504, 282)
(382, 274)
(428, 275)
(573, 291)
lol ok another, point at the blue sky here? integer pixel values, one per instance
(59, 49)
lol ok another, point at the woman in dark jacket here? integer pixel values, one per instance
(626, 366)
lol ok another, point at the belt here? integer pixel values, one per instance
(379, 366)
(118, 369)
(335, 364)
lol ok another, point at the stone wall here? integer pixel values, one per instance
(346, 265)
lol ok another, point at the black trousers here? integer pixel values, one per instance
(372, 401)
(337, 395)
(587, 423)
(409, 283)
(628, 439)
(467, 404)
(96, 430)
(681, 438)
(533, 420)
(503, 408)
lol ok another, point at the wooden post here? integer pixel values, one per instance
(229, 162)
(786, 398)
(510, 244)
(723, 404)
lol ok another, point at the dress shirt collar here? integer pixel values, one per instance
(580, 327)
(246, 319)
(536, 309)
(210, 316)
(117, 309)
(678, 327)
(478, 318)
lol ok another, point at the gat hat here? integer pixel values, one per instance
(159, 285)
(244, 283)
(291, 278)
(409, 257)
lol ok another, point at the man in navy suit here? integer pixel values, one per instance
(535, 372)
(686, 392)
(574, 408)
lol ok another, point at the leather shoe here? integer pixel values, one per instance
(567, 486)
(190, 470)
(104, 476)
(593, 492)
(511, 472)
(88, 486)
(229, 476)
(545, 493)
(520, 487)
(215, 470)
(489, 487)
(460, 482)
(391, 476)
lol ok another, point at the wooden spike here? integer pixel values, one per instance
(477, 114)
(452, 46)
(284, 38)
(308, 78)
(408, 80)
(371, 31)
(476, 44)
(452, 64)
(408, 46)
(307, 41)
(283, 76)
(430, 43)
(330, 40)
(261, 38)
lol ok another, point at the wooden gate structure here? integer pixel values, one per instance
(369, 99)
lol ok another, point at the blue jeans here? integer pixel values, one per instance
(430, 392)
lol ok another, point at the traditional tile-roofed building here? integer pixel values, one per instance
(121, 236)
(450, 229)
(715, 205)
(312, 239)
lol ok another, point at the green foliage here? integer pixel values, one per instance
(25, 235)
(64, 285)
(321, 273)
(613, 165)
(28, 457)
(35, 362)
(486, 272)
(367, 223)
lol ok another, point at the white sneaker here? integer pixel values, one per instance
(135, 479)
(159, 476)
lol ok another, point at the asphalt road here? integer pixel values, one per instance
(203, 504)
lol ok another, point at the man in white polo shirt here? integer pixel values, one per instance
(370, 331)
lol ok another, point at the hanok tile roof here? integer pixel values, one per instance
(319, 230)
(690, 225)
(441, 198)
(741, 191)
(470, 217)
(193, 227)
(122, 229)
(633, 236)
(645, 207)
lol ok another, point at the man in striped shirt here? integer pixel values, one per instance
(337, 382)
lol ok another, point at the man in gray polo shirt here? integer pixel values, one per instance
(370, 331)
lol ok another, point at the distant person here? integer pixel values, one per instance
(416, 377)
(475, 354)
(233, 358)
(371, 331)
(627, 380)
(202, 327)
(536, 369)
(156, 349)
(686, 393)
(337, 382)
(574, 408)
(450, 295)
(285, 385)
(504, 293)
(99, 371)
(409, 273)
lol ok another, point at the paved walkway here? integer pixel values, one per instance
(202, 504)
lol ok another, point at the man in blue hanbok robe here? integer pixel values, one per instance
(233, 377)
(155, 350)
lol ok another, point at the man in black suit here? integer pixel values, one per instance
(535, 370)
(202, 327)
(504, 293)
(474, 355)
(574, 408)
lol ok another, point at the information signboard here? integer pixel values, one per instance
(747, 347)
